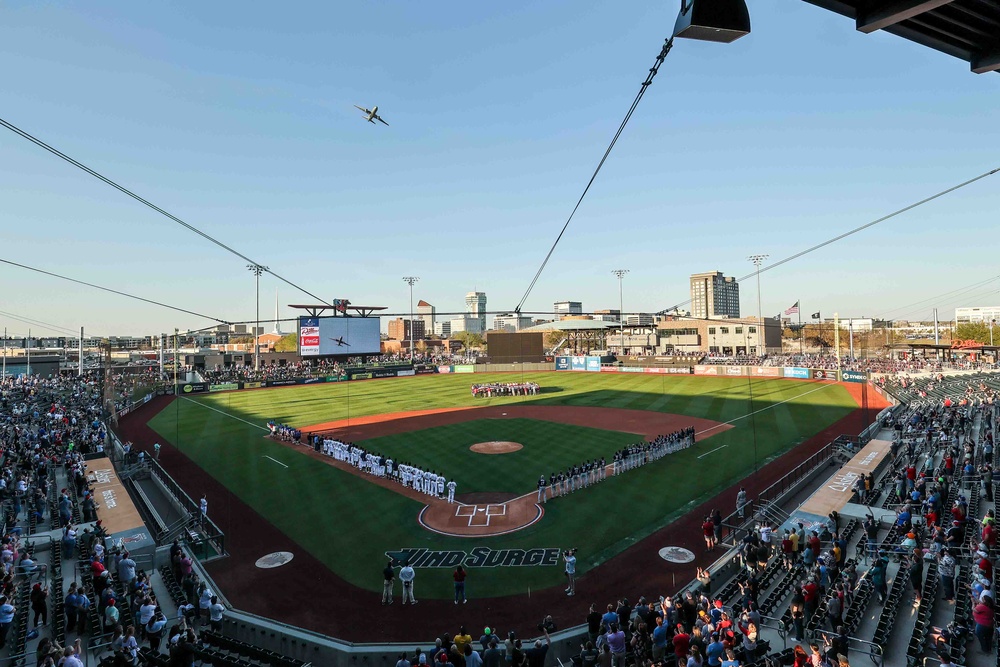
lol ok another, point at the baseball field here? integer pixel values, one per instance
(349, 521)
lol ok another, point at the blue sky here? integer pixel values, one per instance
(238, 118)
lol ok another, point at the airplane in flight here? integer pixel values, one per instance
(340, 342)
(371, 115)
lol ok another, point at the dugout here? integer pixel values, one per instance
(505, 347)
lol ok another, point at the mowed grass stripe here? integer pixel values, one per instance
(320, 504)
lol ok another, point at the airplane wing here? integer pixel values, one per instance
(382, 121)
(361, 109)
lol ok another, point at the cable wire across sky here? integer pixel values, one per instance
(54, 151)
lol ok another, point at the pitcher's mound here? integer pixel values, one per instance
(496, 447)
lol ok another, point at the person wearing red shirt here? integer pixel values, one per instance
(682, 643)
(985, 565)
(814, 543)
(708, 529)
(990, 534)
(810, 591)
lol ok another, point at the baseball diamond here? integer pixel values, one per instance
(215, 441)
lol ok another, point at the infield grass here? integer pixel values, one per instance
(317, 504)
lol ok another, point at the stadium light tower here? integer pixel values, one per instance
(410, 280)
(621, 306)
(757, 261)
(256, 270)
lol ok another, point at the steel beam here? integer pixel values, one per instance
(892, 13)
(986, 62)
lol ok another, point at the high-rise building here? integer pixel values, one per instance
(714, 295)
(475, 305)
(564, 308)
(442, 328)
(511, 322)
(428, 314)
(399, 329)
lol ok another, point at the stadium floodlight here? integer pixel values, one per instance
(621, 306)
(721, 21)
(410, 280)
(757, 261)
(256, 270)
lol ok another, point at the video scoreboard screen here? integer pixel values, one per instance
(326, 336)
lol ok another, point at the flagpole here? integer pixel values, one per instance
(801, 352)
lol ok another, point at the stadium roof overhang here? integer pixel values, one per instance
(966, 29)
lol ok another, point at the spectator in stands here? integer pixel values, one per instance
(7, 611)
(39, 604)
(216, 611)
(154, 630)
(982, 614)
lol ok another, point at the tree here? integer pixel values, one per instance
(287, 343)
(978, 331)
(553, 338)
(468, 340)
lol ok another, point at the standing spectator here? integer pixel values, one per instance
(459, 578)
(203, 508)
(569, 557)
(741, 503)
(946, 568)
(7, 611)
(154, 630)
(215, 613)
(536, 655)
(407, 575)
(39, 604)
(615, 638)
(82, 609)
(982, 614)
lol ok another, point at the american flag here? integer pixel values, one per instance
(793, 310)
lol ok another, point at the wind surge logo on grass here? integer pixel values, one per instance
(478, 557)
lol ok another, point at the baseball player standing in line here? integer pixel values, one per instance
(451, 491)
(541, 489)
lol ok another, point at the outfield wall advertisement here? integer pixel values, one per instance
(795, 372)
(566, 363)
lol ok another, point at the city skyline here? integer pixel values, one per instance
(767, 155)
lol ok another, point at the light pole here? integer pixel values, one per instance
(757, 261)
(256, 270)
(621, 306)
(409, 280)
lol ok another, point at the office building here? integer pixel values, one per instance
(740, 337)
(442, 328)
(714, 295)
(399, 329)
(608, 315)
(511, 322)
(639, 320)
(469, 323)
(475, 306)
(564, 308)
(977, 314)
(427, 313)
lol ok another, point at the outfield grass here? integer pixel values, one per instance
(227, 441)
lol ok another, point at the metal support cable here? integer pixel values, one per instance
(667, 45)
(54, 151)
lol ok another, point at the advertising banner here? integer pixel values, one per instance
(309, 335)
(767, 371)
(225, 386)
(562, 363)
(335, 378)
(594, 364)
(706, 370)
(854, 376)
(793, 372)
(425, 370)
(444, 369)
(282, 383)
(360, 376)
(655, 370)
(404, 374)
(610, 369)
(734, 370)
(630, 369)
(194, 387)
(578, 363)
(464, 368)
(251, 385)
(384, 373)
(312, 380)
(823, 374)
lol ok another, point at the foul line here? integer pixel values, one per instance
(714, 450)
(275, 460)
(750, 414)
(209, 407)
